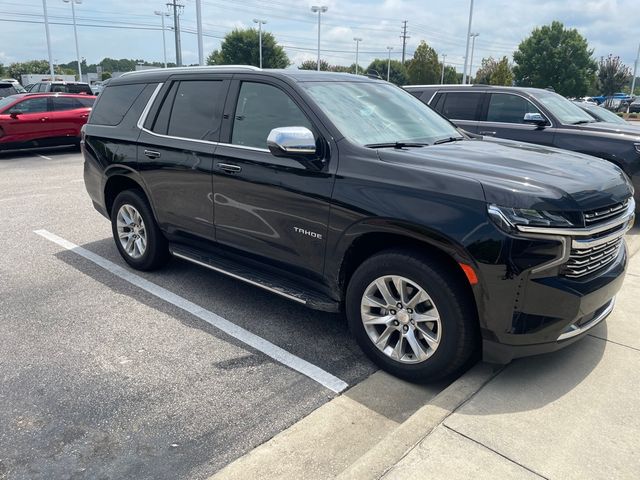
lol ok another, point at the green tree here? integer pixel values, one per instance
(2, 71)
(425, 67)
(16, 70)
(451, 76)
(612, 75)
(502, 74)
(241, 47)
(483, 74)
(313, 65)
(398, 75)
(555, 56)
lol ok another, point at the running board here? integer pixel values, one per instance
(275, 284)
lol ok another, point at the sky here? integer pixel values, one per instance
(129, 28)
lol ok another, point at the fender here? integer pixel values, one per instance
(117, 170)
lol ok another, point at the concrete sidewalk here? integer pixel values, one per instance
(570, 414)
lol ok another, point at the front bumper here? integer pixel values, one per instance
(535, 306)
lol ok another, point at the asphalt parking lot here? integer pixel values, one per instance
(102, 379)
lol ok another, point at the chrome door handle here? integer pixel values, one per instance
(229, 168)
(487, 132)
(152, 154)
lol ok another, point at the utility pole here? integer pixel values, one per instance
(389, 64)
(177, 9)
(75, 34)
(260, 23)
(635, 69)
(404, 37)
(46, 29)
(466, 53)
(199, 29)
(473, 46)
(357, 40)
(444, 57)
(164, 41)
(319, 10)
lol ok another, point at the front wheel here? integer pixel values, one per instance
(136, 233)
(412, 316)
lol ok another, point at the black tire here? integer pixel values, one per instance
(459, 341)
(156, 254)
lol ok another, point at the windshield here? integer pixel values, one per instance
(606, 115)
(376, 113)
(564, 110)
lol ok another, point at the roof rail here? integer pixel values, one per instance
(197, 67)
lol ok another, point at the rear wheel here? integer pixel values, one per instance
(412, 316)
(136, 233)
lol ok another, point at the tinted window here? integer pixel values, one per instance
(161, 125)
(86, 102)
(260, 109)
(114, 103)
(415, 93)
(32, 105)
(81, 88)
(66, 103)
(197, 109)
(509, 108)
(437, 102)
(43, 87)
(461, 106)
(6, 90)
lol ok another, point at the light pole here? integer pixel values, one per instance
(199, 31)
(635, 69)
(389, 64)
(357, 40)
(164, 42)
(75, 33)
(46, 29)
(260, 23)
(444, 57)
(319, 10)
(473, 46)
(466, 52)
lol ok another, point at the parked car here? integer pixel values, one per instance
(62, 87)
(536, 116)
(600, 114)
(8, 88)
(27, 88)
(345, 193)
(634, 107)
(37, 120)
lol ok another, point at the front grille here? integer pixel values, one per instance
(593, 217)
(584, 261)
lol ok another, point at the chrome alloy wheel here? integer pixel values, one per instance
(401, 319)
(131, 231)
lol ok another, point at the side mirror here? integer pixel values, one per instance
(291, 142)
(535, 118)
(15, 113)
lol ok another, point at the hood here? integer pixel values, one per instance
(615, 130)
(523, 175)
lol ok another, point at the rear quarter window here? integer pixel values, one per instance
(114, 103)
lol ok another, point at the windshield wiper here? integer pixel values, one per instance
(395, 145)
(582, 122)
(447, 140)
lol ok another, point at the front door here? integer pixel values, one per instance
(175, 153)
(505, 119)
(31, 120)
(273, 207)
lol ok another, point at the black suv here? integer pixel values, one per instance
(345, 193)
(536, 116)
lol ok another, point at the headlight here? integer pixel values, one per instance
(507, 218)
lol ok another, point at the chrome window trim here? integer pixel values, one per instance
(147, 107)
(578, 330)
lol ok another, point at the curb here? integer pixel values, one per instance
(391, 449)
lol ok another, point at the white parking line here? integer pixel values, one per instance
(45, 157)
(292, 361)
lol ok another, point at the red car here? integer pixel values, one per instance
(40, 120)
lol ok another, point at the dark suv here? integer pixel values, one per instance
(536, 116)
(345, 193)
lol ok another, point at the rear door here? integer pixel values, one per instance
(462, 108)
(504, 119)
(67, 116)
(175, 152)
(274, 207)
(31, 122)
